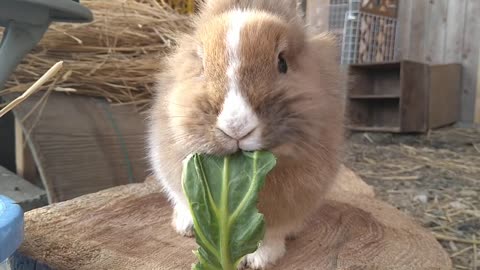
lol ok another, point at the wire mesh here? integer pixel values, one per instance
(366, 37)
(337, 11)
(350, 39)
(336, 17)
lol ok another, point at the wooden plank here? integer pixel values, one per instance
(470, 60)
(25, 164)
(21, 191)
(436, 20)
(128, 227)
(444, 95)
(377, 96)
(455, 32)
(380, 65)
(404, 29)
(368, 113)
(477, 104)
(413, 107)
(82, 144)
(419, 21)
(374, 129)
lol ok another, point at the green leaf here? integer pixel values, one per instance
(222, 193)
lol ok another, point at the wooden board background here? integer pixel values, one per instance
(432, 31)
(82, 144)
(443, 31)
(477, 106)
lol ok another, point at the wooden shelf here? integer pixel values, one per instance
(403, 96)
(386, 96)
(381, 65)
(375, 129)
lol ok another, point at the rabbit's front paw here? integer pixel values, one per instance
(266, 255)
(182, 221)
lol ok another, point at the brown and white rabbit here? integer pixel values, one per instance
(249, 77)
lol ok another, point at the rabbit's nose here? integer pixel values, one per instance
(237, 118)
(237, 133)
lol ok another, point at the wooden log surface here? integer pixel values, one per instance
(128, 227)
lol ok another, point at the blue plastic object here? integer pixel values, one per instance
(11, 227)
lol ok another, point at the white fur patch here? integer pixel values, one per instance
(252, 142)
(182, 220)
(270, 250)
(158, 169)
(237, 117)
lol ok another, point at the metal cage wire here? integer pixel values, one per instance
(366, 37)
(337, 11)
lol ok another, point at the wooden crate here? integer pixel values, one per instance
(403, 96)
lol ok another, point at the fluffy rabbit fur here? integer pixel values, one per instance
(249, 77)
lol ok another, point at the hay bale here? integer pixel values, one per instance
(114, 57)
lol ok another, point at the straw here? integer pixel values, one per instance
(433, 177)
(115, 57)
(34, 88)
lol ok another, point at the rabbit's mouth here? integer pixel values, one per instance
(235, 146)
(226, 144)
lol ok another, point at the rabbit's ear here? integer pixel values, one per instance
(287, 9)
(215, 7)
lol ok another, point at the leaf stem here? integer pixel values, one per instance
(225, 259)
(251, 190)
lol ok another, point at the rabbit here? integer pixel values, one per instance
(250, 77)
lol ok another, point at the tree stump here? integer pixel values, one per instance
(128, 227)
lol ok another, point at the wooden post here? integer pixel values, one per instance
(24, 161)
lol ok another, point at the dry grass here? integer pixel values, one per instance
(30, 91)
(434, 178)
(115, 57)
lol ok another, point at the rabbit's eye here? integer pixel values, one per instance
(282, 64)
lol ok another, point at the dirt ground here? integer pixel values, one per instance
(433, 177)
